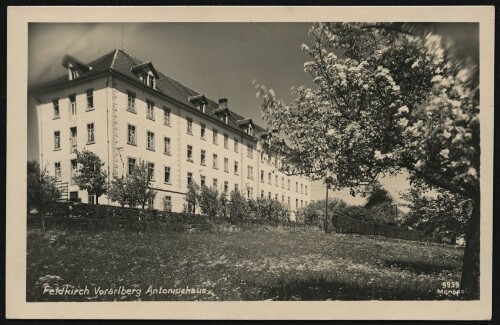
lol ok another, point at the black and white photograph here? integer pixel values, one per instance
(318, 160)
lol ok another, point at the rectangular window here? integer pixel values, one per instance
(301, 188)
(189, 125)
(90, 133)
(262, 194)
(250, 172)
(57, 140)
(55, 104)
(74, 169)
(150, 111)
(276, 180)
(151, 140)
(57, 171)
(167, 203)
(236, 168)
(203, 130)
(190, 152)
(166, 145)
(151, 171)
(269, 178)
(282, 199)
(288, 184)
(262, 176)
(276, 196)
(90, 99)
(301, 203)
(131, 137)
(306, 189)
(236, 188)
(92, 199)
(282, 182)
(166, 116)
(203, 179)
(189, 178)
(214, 161)
(296, 203)
(215, 135)
(249, 192)
(226, 165)
(74, 137)
(235, 145)
(151, 81)
(226, 141)
(226, 186)
(203, 159)
(131, 102)
(72, 104)
(214, 183)
(250, 151)
(269, 195)
(131, 165)
(262, 157)
(166, 175)
(151, 202)
(296, 187)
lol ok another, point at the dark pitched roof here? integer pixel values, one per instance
(123, 63)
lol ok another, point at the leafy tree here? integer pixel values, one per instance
(139, 191)
(385, 100)
(238, 207)
(209, 201)
(378, 195)
(223, 206)
(117, 190)
(192, 197)
(443, 214)
(91, 177)
(41, 189)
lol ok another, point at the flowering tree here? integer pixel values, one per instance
(443, 214)
(91, 177)
(209, 201)
(41, 189)
(385, 100)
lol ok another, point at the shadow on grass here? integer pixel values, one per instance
(421, 267)
(324, 289)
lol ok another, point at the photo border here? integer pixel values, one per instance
(16, 230)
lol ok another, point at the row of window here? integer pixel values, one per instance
(72, 104)
(269, 196)
(276, 182)
(150, 114)
(167, 178)
(74, 136)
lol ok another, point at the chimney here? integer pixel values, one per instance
(223, 103)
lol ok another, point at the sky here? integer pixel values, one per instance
(219, 60)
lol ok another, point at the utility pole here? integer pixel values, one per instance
(326, 210)
(328, 181)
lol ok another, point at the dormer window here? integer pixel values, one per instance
(147, 73)
(250, 130)
(75, 67)
(199, 101)
(73, 74)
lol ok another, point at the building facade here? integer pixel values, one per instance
(124, 110)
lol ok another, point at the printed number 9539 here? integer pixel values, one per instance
(451, 285)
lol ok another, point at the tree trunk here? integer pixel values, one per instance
(43, 219)
(470, 269)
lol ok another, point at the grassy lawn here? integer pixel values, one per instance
(234, 266)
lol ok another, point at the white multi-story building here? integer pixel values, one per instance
(124, 110)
